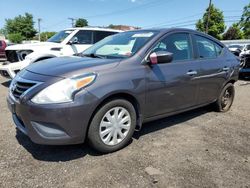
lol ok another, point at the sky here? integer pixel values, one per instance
(142, 13)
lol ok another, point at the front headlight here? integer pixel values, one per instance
(63, 90)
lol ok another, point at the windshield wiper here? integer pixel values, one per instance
(92, 55)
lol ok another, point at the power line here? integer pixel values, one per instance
(170, 21)
(188, 21)
(194, 23)
(127, 10)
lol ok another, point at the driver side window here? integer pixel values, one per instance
(83, 37)
(179, 44)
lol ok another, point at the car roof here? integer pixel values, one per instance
(166, 30)
(94, 29)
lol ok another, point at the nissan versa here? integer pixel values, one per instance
(107, 92)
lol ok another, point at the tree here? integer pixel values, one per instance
(245, 21)
(233, 33)
(15, 37)
(3, 32)
(216, 24)
(21, 25)
(81, 22)
(45, 35)
(111, 26)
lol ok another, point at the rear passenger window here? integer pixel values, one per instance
(99, 35)
(178, 44)
(206, 48)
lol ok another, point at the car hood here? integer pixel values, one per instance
(33, 46)
(71, 66)
(245, 52)
(234, 49)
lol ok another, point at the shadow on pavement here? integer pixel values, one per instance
(54, 153)
(71, 152)
(170, 121)
(6, 84)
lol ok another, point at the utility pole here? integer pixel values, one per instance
(39, 29)
(72, 21)
(208, 16)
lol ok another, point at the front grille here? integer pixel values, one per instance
(246, 60)
(11, 56)
(18, 88)
(4, 73)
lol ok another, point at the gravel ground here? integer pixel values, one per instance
(200, 148)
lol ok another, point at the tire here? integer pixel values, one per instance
(105, 120)
(225, 100)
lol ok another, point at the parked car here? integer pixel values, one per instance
(66, 42)
(108, 91)
(245, 59)
(2, 49)
(235, 49)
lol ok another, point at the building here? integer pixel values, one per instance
(123, 27)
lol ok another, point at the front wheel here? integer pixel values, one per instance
(226, 98)
(112, 126)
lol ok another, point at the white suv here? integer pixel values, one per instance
(64, 43)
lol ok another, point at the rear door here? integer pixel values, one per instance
(173, 86)
(214, 68)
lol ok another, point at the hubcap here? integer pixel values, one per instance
(226, 98)
(115, 126)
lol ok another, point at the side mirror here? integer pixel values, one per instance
(160, 57)
(73, 41)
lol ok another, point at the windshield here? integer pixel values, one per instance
(122, 45)
(60, 36)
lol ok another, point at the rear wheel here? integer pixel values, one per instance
(226, 98)
(112, 126)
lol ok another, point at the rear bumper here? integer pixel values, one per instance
(2, 55)
(59, 124)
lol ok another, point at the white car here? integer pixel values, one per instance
(64, 43)
(245, 51)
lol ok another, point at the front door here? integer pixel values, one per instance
(82, 40)
(172, 86)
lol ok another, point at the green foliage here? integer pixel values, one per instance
(45, 35)
(233, 33)
(111, 26)
(216, 24)
(21, 25)
(15, 37)
(245, 21)
(3, 32)
(81, 22)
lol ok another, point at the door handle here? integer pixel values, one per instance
(191, 73)
(225, 69)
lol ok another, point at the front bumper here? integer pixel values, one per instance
(244, 72)
(54, 124)
(9, 70)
